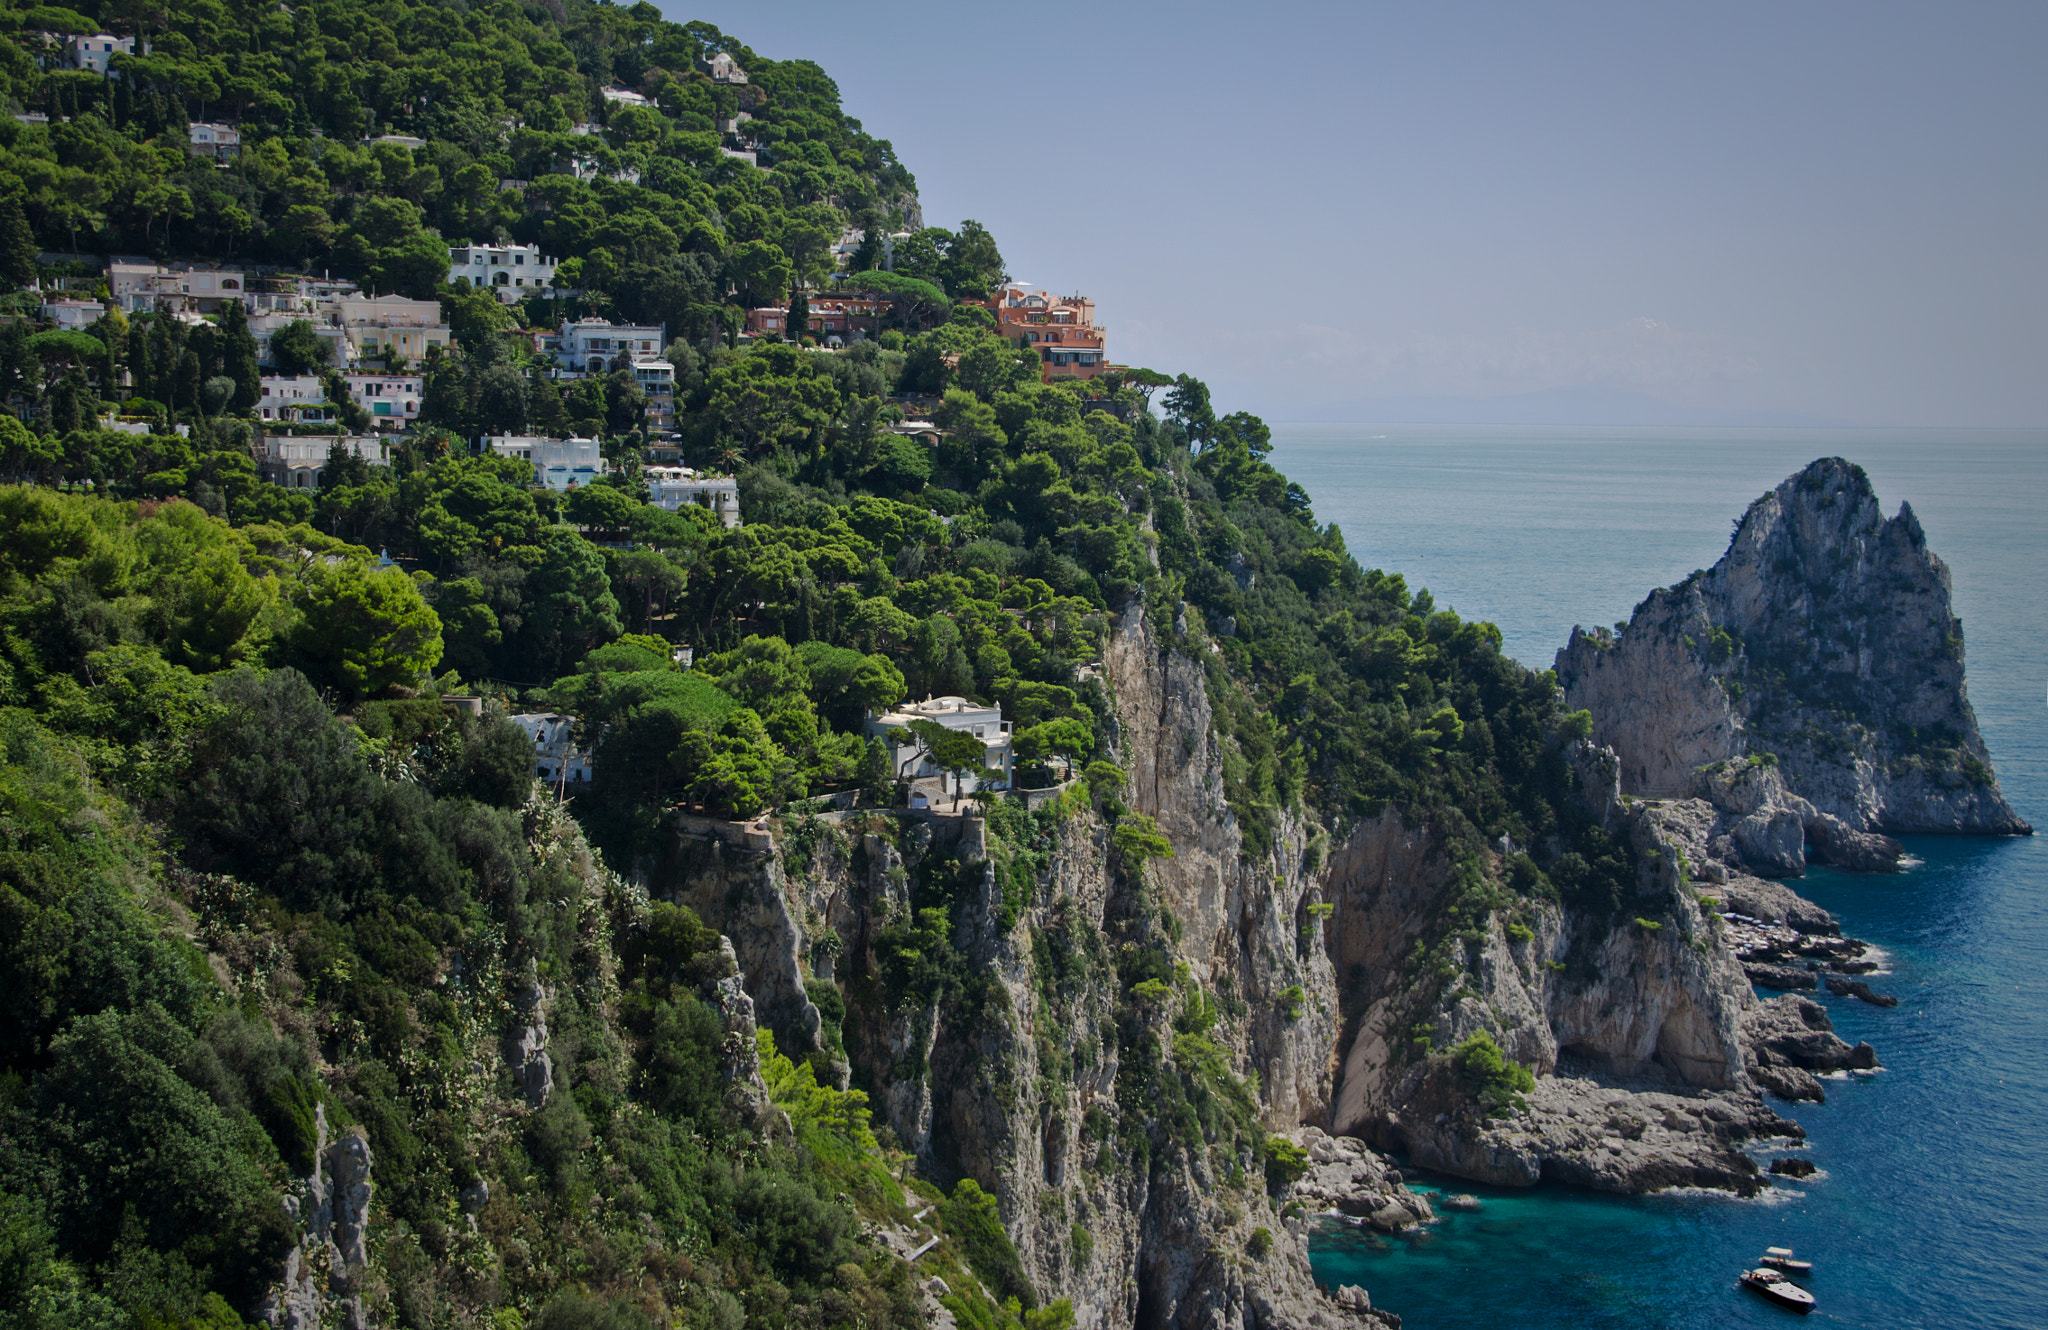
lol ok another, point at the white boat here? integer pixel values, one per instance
(1773, 1286)
(1781, 1258)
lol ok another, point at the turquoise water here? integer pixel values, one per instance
(1931, 1208)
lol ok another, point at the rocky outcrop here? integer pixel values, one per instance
(1345, 1176)
(1297, 964)
(324, 1271)
(1595, 1131)
(1825, 639)
(1789, 1038)
(1645, 1010)
(526, 1043)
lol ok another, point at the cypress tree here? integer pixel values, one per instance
(17, 244)
(141, 364)
(799, 313)
(238, 356)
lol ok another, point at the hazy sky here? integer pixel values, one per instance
(1835, 209)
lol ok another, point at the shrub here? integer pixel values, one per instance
(1285, 1161)
(1496, 1082)
(1260, 1244)
(971, 1218)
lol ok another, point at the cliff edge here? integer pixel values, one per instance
(1823, 639)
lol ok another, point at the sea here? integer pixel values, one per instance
(1930, 1206)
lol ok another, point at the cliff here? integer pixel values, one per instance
(992, 975)
(1823, 641)
(1107, 1046)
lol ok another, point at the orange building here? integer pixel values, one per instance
(1062, 329)
(834, 319)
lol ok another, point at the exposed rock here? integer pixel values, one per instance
(1793, 1168)
(1464, 1201)
(1781, 977)
(1346, 1176)
(526, 1044)
(1592, 1131)
(323, 1276)
(1856, 988)
(1823, 637)
(1789, 1038)
(1829, 840)
(1775, 903)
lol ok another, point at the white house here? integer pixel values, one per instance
(724, 69)
(401, 140)
(986, 723)
(391, 325)
(299, 463)
(559, 464)
(586, 346)
(223, 143)
(292, 398)
(624, 96)
(501, 265)
(143, 287)
(97, 52)
(73, 315)
(555, 757)
(657, 378)
(674, 487)
(393, 400)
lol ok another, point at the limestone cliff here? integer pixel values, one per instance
(1824, 638)
(1633, 1025)
(1012, 1070)
(996, 1008)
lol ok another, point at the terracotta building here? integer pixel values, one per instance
(1062, 329)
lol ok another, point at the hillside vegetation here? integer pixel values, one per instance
(256, 875)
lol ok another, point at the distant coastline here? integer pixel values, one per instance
(1554, 406)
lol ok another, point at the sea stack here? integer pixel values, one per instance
(1810, 684)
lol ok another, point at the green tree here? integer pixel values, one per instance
(955, 752)
(366, 630)
(298, 348)
(238, 356)
(17, 243)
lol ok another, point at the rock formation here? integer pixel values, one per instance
(1643, 1030)
(330, 1211)
(1823, 643)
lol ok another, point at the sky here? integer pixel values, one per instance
(1804, 210)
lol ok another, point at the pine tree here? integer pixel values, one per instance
(238, 356)
(17, 244)
(799, 313)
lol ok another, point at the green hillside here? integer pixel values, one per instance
(256, 876)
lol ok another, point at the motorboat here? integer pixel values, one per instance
(1772, 1285)
(1781, 1258)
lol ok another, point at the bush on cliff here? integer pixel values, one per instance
(1498, 1084)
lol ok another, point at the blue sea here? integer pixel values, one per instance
(1931, 1204)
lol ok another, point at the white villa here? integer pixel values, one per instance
(393, 400)
(554, 753)
(986, 723)
(299, 463)
(673, 487)
(515, 266)
(292, 398)
(586, 346)
(559, 464)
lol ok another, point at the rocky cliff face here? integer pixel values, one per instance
(1020, 1075)
(1634, 1026)
(1013, 1078)
(1824, 638)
